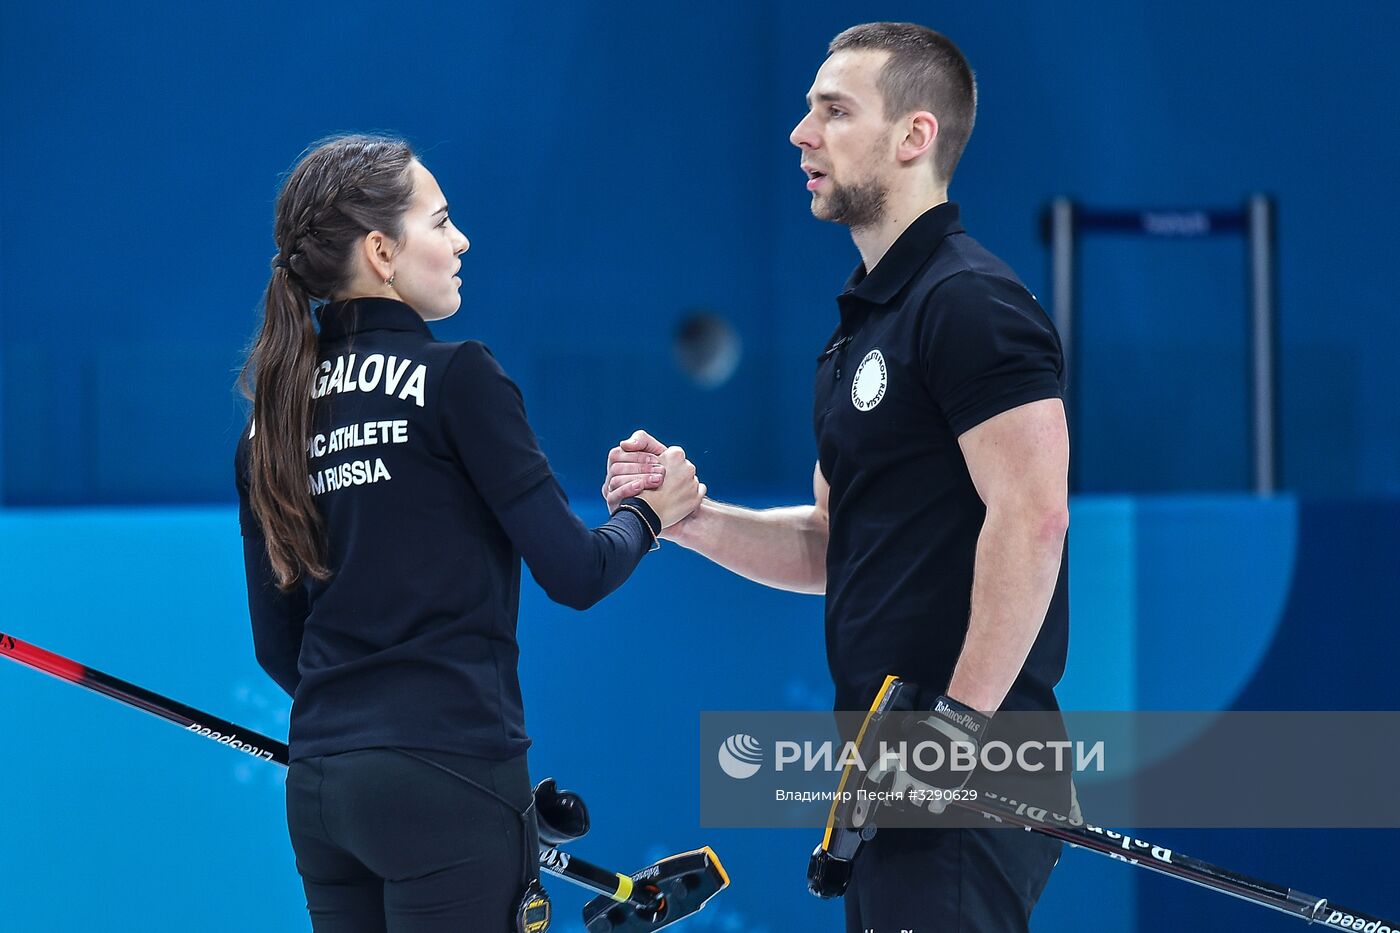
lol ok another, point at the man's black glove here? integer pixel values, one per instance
(943, 750)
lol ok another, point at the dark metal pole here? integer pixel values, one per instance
(1062, 305)
(1262, 342)
(1062, 272)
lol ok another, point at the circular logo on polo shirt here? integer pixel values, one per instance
(868, 384)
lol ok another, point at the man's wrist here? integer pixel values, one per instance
(977, 692)
(685, 531)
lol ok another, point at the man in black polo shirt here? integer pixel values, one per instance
(938, 533)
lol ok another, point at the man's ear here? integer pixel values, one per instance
(921, 133)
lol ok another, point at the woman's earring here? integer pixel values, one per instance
(390, 281)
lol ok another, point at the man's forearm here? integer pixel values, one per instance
(782, 548)
(1018, 563)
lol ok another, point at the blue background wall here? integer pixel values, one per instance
(616, 166)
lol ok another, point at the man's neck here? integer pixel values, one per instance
(875, 241)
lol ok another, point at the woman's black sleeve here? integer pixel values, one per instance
(279, 618)
(486, 426)
(574, 564)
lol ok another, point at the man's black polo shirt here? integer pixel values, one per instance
(938, 338)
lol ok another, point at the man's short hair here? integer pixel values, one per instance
(925, 71)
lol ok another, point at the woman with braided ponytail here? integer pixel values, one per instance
(389, 485)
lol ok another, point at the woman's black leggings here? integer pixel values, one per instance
(387, 842)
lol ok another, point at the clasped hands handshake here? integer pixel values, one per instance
(642, 466)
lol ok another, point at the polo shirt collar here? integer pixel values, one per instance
(905, 257)
(339, 318)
